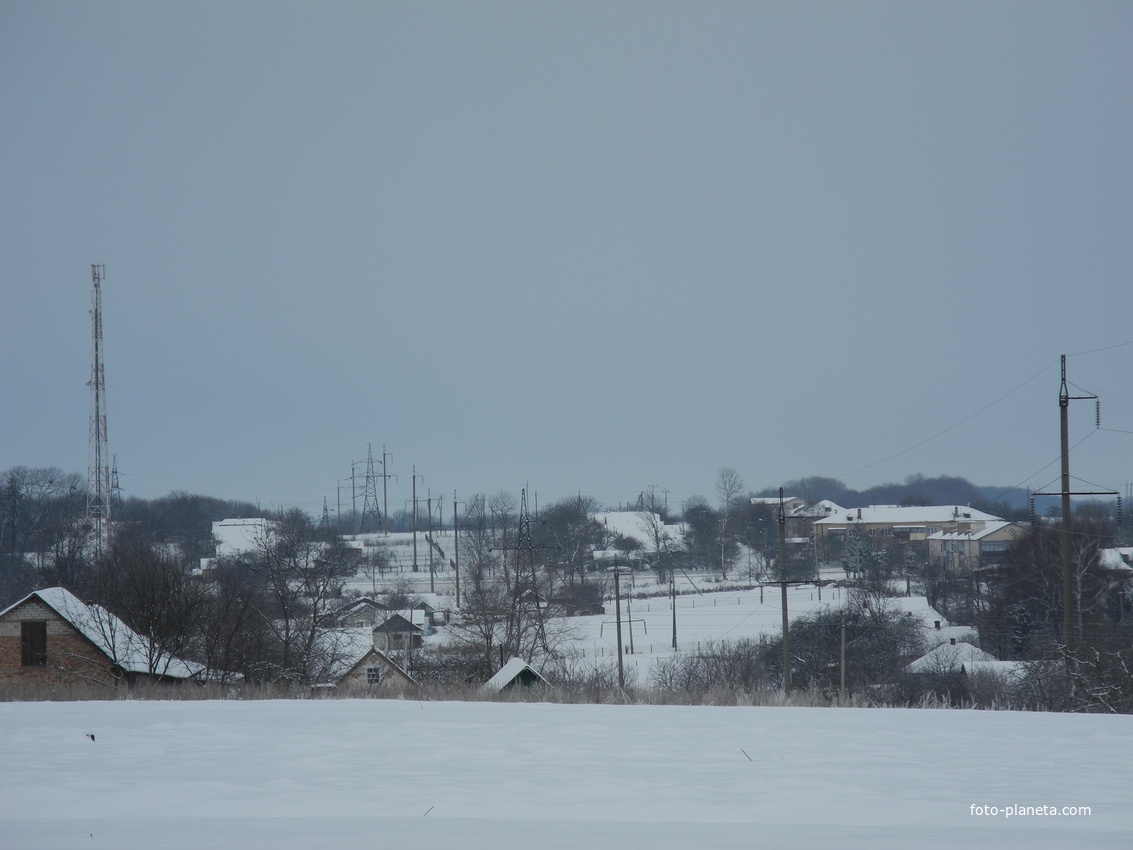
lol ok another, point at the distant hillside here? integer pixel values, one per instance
(1007, 502)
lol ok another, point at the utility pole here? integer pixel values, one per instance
(842, 674)
(415, 477)
(783, 586)
(618, 606)
(456, 547)
(353, 500)
(429, 536)
(673, 595)
(385, 481)
(98, 472)
(1071, 615)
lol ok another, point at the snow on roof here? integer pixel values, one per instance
(1116, 559)
(121, 644)
(346, 648)
(911, 515)
(1012, 671)
(976, 534)
(948, 657)
(507, 674)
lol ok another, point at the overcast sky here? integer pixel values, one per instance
(595, 247)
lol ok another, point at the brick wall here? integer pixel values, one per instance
(71, 658)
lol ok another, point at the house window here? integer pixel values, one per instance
(373, 675)
(33, 643)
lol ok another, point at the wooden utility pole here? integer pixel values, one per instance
(673, 594)
(618, 605)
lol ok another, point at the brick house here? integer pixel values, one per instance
(51, 637)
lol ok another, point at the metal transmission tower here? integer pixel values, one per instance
(98, 472)
(115, 487)
(371, 519)
(526, 608)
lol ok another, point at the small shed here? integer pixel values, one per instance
(515, 672)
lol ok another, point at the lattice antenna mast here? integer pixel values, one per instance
(371, 519)
(98, 472)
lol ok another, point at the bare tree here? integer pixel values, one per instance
(729, 489)
(299, 580)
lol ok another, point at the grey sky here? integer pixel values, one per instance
(584, 246)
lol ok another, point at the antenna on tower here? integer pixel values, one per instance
(98, 471)
(371, 519)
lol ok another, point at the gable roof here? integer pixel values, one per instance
(398, 623)
(515, 669)
(113, 638)
(352, 648)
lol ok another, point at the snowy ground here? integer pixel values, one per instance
(375, 774)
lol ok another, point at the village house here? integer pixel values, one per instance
(397, 634)
(51, 637)
(358, 665)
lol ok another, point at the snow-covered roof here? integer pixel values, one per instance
(347, 647)
(121, 644)
(1010, 670)
(948, 657)
(507, 674)
(908, 515)
(975, 534)
(1118, 559)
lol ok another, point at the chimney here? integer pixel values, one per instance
(952, 641)
(937, 622)
(859, 514)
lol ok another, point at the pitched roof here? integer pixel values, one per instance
(121, 644)
(511, 671)
(398, 623)
(349, 648)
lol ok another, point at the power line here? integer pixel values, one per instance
(950, 427)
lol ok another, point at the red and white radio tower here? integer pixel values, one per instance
(98, 473)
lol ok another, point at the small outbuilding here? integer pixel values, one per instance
(515, 672)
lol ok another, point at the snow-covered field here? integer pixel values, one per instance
(376, 774)
(647, 624)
